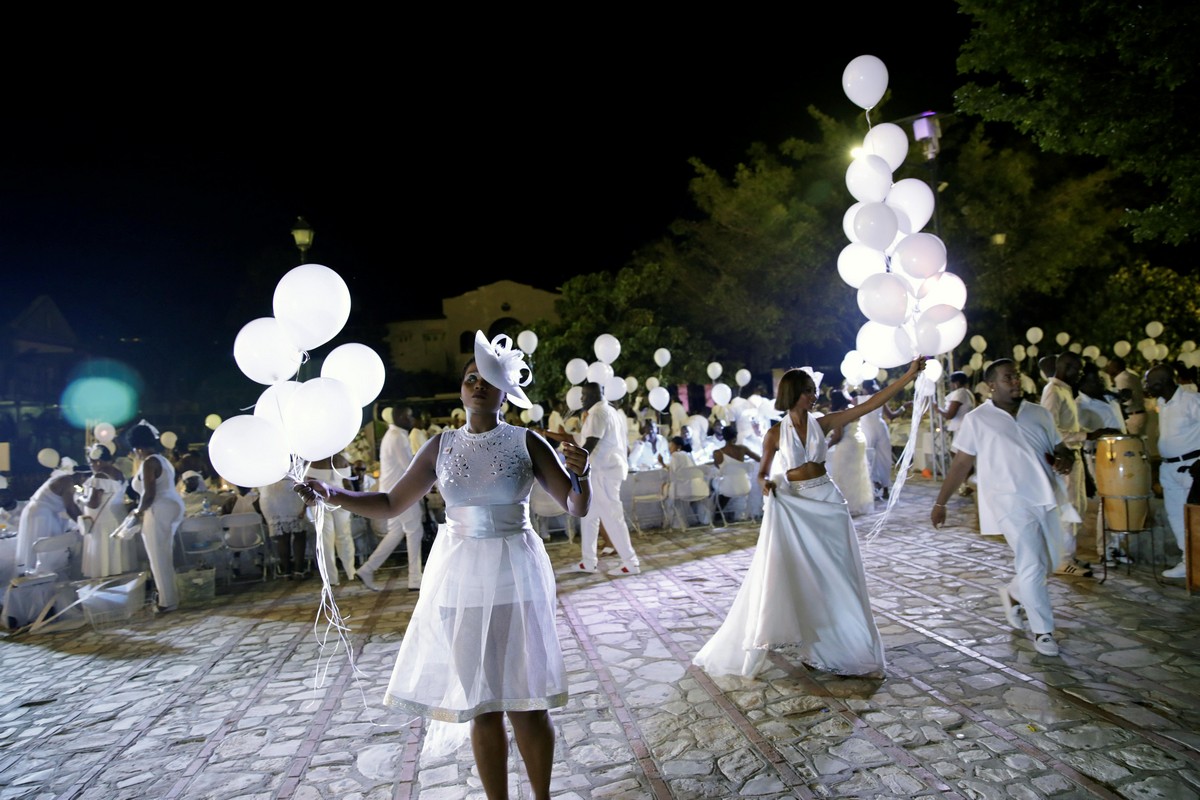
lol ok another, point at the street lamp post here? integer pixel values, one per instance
(302, 232)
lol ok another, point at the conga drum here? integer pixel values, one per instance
(1123, 481)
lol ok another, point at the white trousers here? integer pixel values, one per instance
(407, 526)
(1175, 486)
(606, 507)
(336, 534)
(158, 535)
(1028, 534)
(1077, 492)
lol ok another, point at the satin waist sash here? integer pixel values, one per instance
(488, 522)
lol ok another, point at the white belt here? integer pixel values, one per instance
(488, 522)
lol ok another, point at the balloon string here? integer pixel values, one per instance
(922, 400)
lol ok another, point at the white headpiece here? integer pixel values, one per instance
(503, 367)
(816, 376)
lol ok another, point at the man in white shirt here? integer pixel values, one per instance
(1058, 397)
(1129, 389)
(647, 450)
(395, 454)
(1014, 445)
(1179, 447)
(605, 440)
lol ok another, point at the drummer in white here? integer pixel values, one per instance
(1179, 447)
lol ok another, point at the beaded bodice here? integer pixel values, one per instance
(484, 469)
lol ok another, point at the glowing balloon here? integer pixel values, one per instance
(104, 432)
(912, 198)
(528, 342)
(212, 421)
(536, 412)
(524, 415)
(652, 383)
(264, 353)
(312, 303)
(577, 370)
(888, 141)
(883, 298)
(1154, 329)
(939, 330)
(1101, 360)
(944, 288)
(1033, 335)
(575, 398)
(1076, 347)
(274, 400)
(978, 343)
(976, 360)
(1122, 348)
(1031, 351)
(721, 394)
(48, 457)
(868, 178)
(875, 225)
(387, 415)
(659, 398)
(933, 370)
(742, 376)
(848, 221)
(599, 372)
(1161, 352)
(1187, 346)
(321, 418)
(1019, 352)
(882, 345)
(249, 451)
(864, 80)
(168, 440)
(631, 384)
(714, 370)
(607, 348)
(359, 367)
(662, 356)
(857, 262)
(614, 388)
(921, 255)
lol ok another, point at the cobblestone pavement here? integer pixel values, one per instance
(238, 699)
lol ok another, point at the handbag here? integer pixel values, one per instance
(130, 526)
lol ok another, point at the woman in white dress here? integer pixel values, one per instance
(103, 509)
(879, 439)
(481, 643)
(847, 461)
(46, 514)
(680, 459)
(159, 509)
(806, 584)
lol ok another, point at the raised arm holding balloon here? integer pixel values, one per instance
(482, 640)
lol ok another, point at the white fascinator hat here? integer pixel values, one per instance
(504, 367)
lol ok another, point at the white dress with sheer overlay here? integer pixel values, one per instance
(482, 637)
(805, 586)
(847, 465)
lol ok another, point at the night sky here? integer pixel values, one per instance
(155, 196)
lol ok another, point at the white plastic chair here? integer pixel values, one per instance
(733, 482)
(687, 490)
(548, 516)
(246, 533)
(200, 536)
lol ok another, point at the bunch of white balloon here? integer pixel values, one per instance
(607, 347)
(912, 304)
(295, 422)
(527, 341)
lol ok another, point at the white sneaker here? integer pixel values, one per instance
(608, 551)
(623, 570)
(367, 576)
(1044, 643)
(1012, 609)
(581, 567)
(1177, 571)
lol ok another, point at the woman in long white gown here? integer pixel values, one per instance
(104, 507)
(847, 461)
(806, 585)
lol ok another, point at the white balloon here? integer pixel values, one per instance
(721, 394)
(652, 383)
(864, 80)
(168, 440)
(607, 348)
(913, 198)
(1018, 352)
(321, 418)
(599, 372)
(575, 398)
(875, 225)
(884, 299)
(1161, 352)
(528, 342)
(312, 303)
(978, 343)
(1031, 351)
(359, 367)
(976, 360)
(48, 457)
(662, 356)
(944, 288)
(1076, 347)
(659, 398)
(212, 421)
(631, 384)
(921, 255)
(888, 141)
(848, 221)
(1033, 335)
(857, 262)
(274, 400)
(742, 376)
(881, 345)
(933, 370)
(524, 415)
(714, 370)
(1091, 351)
(104, 432)
(1101, 360)
(939, 330)
(1062, 339)
(614, 388)
(869, 179)
(264, 353)
(1154, 329)
(387, 414)
(536, 412)
(247, 450)
(577, 370)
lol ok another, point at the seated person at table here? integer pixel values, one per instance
(648, 451)
(733, 479)
(681, 458)
(197, 497)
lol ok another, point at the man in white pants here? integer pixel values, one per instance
(395, 454)
(606, 439)
(1058, 397)
(1178, 446)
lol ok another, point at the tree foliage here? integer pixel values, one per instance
(1097, 78)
